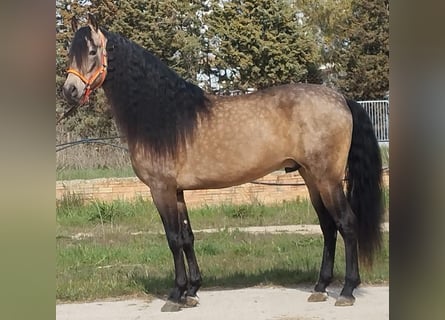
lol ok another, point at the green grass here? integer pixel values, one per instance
(113, 265)
(110, 261)
(141, 215)
(94, 173)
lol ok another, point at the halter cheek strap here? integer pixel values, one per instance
(100, 73)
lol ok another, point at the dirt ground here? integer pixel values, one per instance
(256, 303)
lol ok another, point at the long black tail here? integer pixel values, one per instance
(364, 183)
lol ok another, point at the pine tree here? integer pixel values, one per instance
(245, 43)
(260, 43)
(364, 58)
(327, 19)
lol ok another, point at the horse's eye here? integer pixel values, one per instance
(92, 53)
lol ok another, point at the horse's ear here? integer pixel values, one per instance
(74, 24)
(92, 22)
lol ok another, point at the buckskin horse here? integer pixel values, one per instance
(181, 138)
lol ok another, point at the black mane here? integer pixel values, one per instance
(151, 103)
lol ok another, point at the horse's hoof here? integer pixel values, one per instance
(191, 301)
(343, 301)
(171, 306)
(318, 297)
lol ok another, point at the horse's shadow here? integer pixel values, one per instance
(304, 280)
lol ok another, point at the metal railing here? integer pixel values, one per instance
(378, 111)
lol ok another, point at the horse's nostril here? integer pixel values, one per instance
(73, 90)
(69, 91)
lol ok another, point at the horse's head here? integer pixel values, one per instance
(87, 62)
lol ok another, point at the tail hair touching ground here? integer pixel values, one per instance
(364, 183)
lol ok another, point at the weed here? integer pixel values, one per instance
(69, 203)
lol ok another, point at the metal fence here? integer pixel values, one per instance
(378, 111)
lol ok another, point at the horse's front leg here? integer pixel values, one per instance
(165, 198)
(188, 238)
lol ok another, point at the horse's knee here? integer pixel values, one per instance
(188, 239)
(175, 241)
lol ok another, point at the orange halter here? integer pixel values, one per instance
(100, 73)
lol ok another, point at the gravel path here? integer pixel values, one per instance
(297, 228)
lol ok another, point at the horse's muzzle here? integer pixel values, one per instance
(72, 94)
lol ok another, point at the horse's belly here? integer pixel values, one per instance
(214, 175)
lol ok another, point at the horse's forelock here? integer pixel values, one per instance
(79, 46)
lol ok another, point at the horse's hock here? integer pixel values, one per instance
(274, 187)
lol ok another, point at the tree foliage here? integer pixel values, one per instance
(260, 43)
(243, 43)
(363, 58)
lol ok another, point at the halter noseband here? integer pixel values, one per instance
(101, 72)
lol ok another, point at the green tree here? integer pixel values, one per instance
(245, 43)
(169, 29)
(260, 43)
(327, 20)
(363, 61)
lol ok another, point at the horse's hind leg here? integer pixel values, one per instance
(188, 245)
(329, 230)
(335, 201)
